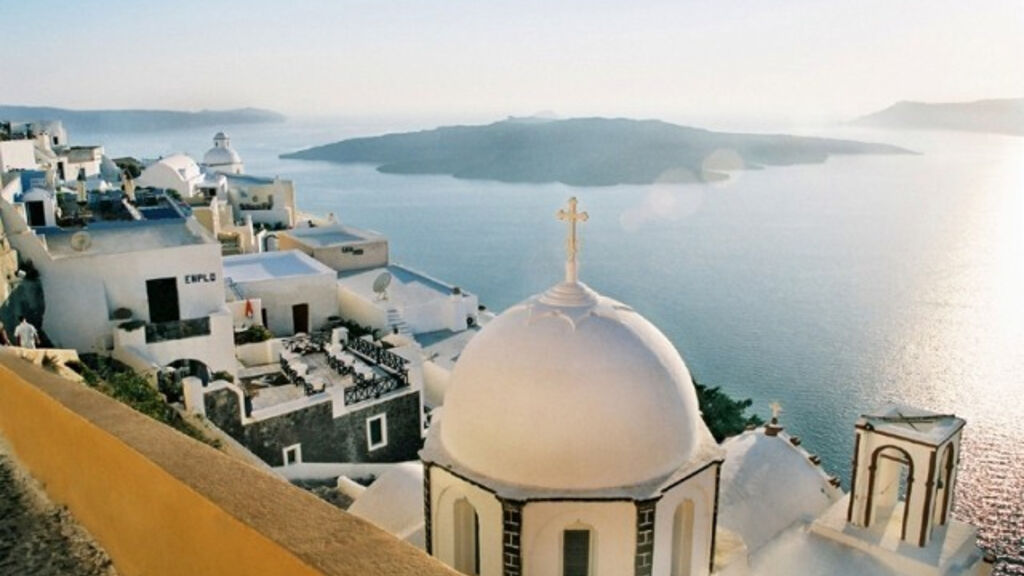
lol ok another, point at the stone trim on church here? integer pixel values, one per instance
(512, 518)
(645, 511)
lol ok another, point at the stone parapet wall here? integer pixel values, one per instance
(162, 503)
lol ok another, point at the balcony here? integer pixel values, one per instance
(177, 330)
(372, 389)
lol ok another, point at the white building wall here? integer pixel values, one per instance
(613, 535)
(160, 175)
(699, 489)
(49, 205)
(82, 291)
(88, 159)
(216, 349)
(374, 253)
(352, 306)
(441, 313)
(283, 194)
(278, 216)
(278, 295)
(17, 155)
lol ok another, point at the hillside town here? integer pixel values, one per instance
(299, 346)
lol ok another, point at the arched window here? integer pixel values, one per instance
(467, 538)
(682, 539)
(890, 483)
(576, 551)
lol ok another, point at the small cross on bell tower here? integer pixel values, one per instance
(572, 217)
(772, 428)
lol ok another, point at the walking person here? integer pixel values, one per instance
(26, 334)
(4, 340)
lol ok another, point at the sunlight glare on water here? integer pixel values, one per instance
(833, 288)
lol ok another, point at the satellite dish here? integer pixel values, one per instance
(81, 241)
(380, 285)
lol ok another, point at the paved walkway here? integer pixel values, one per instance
(36, 536)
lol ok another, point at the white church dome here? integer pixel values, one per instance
(222, 154)
(571, 390)
(217, 156)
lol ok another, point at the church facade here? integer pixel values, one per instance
(571, 443)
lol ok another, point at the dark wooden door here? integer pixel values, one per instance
(163, 300)
(36, 213)
(300, 318)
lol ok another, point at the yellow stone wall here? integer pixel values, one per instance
(161, 503)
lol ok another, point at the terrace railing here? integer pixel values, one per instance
(372, 389)
(378, 355)
(177, 330)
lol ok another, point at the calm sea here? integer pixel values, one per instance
(831, 288)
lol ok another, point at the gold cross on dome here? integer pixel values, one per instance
(776, 409)
(572, 217)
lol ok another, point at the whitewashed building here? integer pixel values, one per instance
(410, 303)
(267, 201)
(343, 248)
(37, 206)
(80, 160)
(297, 294)
(17, 155)
(149, 291)
(177, 172)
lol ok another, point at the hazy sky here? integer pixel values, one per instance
(799, 59)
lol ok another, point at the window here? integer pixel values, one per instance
(682, 539)
(467, 537)
(292, 454)
(377, 431)
(576, 553)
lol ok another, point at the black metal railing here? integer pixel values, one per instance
(392, 361)
(177, 330)
(372, 389)
(378, 355)
(368, 350)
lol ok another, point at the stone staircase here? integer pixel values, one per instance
(396, 320)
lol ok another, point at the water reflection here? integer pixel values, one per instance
(833, 288)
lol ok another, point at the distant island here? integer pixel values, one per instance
(583, 151)
(137, 120)
(1004, 116)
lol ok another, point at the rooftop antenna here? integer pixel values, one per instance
(380, 285)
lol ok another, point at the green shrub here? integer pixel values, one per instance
(723, 415)
(222, 375)
(119, 381)
(132, 325)
(252, 334)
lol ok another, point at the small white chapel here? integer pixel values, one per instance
(571, 443)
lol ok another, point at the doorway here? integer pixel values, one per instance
(300, 318)
(162, 294)
(36, 213)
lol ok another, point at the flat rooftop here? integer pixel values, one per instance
(336, 235)
(914, 423)
(124, 237)
(272, 266)
(248, 179)
(406, 284)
